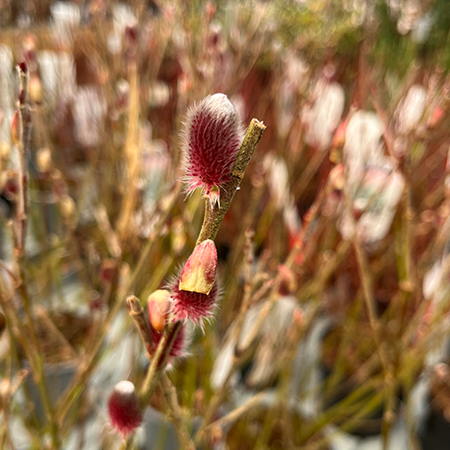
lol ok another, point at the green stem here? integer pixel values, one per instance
(214, 214)
(158, 362)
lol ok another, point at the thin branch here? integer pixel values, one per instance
(140, 320)
(158, 362)
(8, 271)
(214, 214)
(234, 415)
(170, 394)
(136, 312)
(24, 133)
(366, 281)
(24, 138)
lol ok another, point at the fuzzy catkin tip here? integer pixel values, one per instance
(212, 137)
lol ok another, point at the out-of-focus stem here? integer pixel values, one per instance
(170, 394)
(25, 125)
(366, 281)
(234, 415)
(24, 138)
(241, 350)
(132, 156)
(249, 256)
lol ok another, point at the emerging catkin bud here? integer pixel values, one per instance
(158, 308)
(199, 272)
(212, 136)
(123, 407)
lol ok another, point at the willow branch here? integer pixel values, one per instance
(158, 362)
(136, 312)
(214, 214)
(234, 415)
(24, 138)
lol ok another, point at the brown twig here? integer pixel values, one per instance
(136, 312)
(8, 271)
(23, 145)
(213, 218)
(234, 415)
(24, 133)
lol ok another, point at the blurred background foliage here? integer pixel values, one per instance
(109, 86)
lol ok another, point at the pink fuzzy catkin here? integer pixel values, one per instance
(211, 139)
(193, 305)
(123, 407)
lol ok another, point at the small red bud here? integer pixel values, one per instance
(11, 187)
(131, 34)
(123, 407)
(107, 271)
